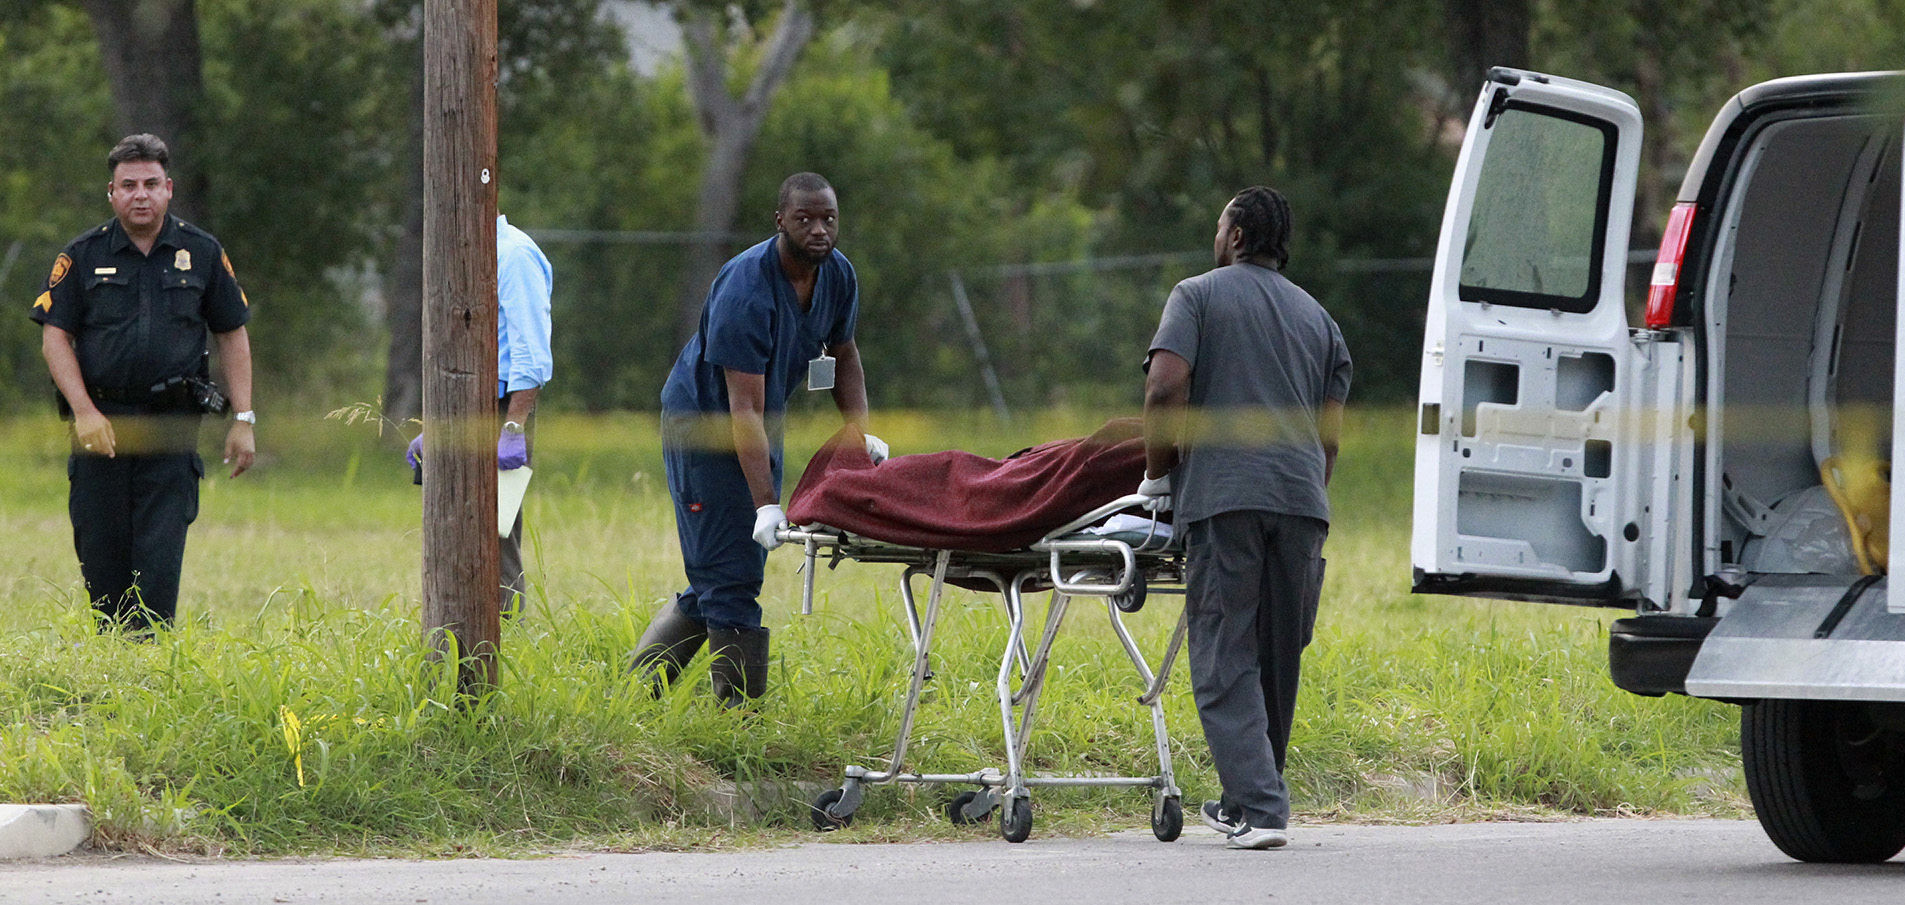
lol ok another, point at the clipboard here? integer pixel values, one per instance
(510, 487)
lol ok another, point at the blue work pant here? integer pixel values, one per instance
(714, 517)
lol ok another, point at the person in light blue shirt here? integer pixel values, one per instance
(524, 362)
(524, 281)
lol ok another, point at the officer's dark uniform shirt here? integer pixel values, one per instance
(138, 320)
(752, 323)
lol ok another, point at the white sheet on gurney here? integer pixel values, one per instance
(1135, 524)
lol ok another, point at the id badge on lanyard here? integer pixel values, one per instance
(820, 373)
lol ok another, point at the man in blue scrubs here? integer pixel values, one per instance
(779, 314)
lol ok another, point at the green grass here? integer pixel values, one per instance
(294, 710)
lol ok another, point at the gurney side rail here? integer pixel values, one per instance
(1129, 501)
(1061, 542)
(1127, 574)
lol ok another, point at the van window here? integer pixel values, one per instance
(1538, 225)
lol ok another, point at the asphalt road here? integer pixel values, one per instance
(1593, 861)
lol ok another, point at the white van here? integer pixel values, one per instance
(1722, 467)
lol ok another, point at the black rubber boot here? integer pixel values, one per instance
(739, 668)
(671, 640)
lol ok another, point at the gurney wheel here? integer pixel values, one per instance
(1015, 819)
(1133, 600)
(1167, 819)
(956, 809)
(825, 820)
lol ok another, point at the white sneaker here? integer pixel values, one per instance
(1257, 840)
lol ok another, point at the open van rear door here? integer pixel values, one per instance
(1532, 470)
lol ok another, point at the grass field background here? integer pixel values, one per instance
(293, 709)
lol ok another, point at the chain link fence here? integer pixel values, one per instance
(1006, 338)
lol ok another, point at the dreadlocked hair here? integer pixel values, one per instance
(1264, 216)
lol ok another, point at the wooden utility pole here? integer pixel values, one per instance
(460, 573)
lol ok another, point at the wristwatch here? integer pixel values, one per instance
(250, 418)
(512, 427)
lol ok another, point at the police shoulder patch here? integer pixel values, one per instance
(227, 261)
(61, 265)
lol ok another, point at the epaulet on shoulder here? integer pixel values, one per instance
(90, 234)
(202, 235)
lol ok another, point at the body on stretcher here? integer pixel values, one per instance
(1123, 567)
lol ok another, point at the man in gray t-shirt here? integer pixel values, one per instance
(1243, 402)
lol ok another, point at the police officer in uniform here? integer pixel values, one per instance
(124, 317)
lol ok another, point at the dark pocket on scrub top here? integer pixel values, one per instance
(110, 299)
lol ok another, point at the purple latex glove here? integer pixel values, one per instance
(414, 455)
(512, 451)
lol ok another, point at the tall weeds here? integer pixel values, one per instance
(293, 709)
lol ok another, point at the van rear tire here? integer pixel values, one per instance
(1827, 778)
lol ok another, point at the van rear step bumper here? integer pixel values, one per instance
(1816, 637)
(1652, 655)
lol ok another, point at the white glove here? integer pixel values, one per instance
(767, 520)
(876, 449)
(1157, 493)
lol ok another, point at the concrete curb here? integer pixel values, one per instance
(755, 803)
(42, 830)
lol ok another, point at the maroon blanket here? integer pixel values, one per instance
(958, 501)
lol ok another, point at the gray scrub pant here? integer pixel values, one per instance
(1251, 596)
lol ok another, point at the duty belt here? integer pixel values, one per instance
(172, 389)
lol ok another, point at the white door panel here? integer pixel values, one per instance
(1530, 467)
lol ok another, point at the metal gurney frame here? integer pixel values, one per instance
(1069, 564)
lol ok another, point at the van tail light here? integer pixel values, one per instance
(1666, 281)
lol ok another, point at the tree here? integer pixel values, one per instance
(52, 145)
(730, 125)
(1484, 34)
(1803, 36)
(1154, 113)
(150, 52)
(403, 282)
(1679, 60)
(911, 209)
(306, 115)
(537, 41)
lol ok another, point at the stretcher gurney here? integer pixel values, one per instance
(1121, 568)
